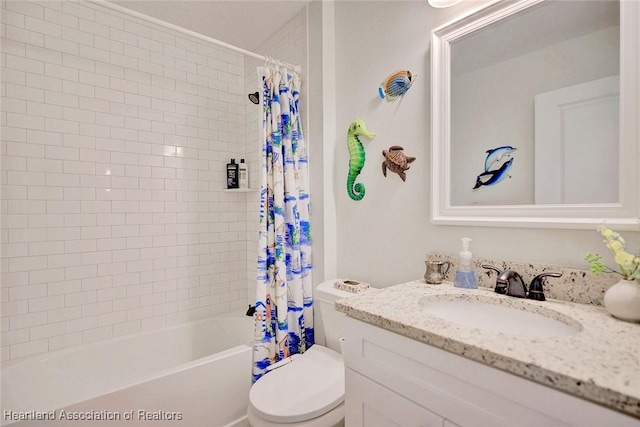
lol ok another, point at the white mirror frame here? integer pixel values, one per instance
(622, 215)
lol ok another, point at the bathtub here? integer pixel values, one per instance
(192, 374)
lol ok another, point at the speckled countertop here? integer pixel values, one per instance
(600, 363)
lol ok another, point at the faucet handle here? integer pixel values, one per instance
(501, 285)
(536, 289)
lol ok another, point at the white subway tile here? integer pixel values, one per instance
(64, 233)
(103, 21)
(61, 153)
(136, 52)
(46, 303)
(139, 313)
(27, 263)
(12, 18)
(26, 8)
(65, 341)
(15, 337)
(63, 287)
(67, 260)
(79, 193)
(14, 308)
(65, 20)
(62, 206)
(112, 318)
(43, 110)
(96, 308)
(26, 292)
(29, 348)
(82, 324)
(79, 298)
(78, 10)
(62, 180)
(94, 104)
(24, 36)
(98, 232)
(100, 333)
(45, 248)
(46, 331)
(82, 272)
(79, 246)
(125, 328)
(58, 71)
(67, 313)
(28, 320)
(23, 92)
(60, 45)
(73, 61)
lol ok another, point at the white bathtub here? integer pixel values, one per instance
(192, 374)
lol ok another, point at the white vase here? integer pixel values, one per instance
(622, 300)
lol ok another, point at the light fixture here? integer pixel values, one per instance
(443, 3)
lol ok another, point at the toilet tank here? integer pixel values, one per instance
(331, 326)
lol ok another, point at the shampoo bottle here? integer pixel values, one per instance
(465, 276)
(232, 174)
(243, 174)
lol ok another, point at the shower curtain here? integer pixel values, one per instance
(284, 307)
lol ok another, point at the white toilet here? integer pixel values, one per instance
(277, 399)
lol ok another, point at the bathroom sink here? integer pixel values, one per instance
(500, 318)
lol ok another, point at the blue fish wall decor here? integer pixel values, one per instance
(494, 176)
(495, 155)
(396, 85)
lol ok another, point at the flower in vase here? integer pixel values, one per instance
(628, 264)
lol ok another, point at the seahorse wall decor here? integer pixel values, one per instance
(356, 157)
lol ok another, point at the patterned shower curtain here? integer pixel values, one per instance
(284, 307)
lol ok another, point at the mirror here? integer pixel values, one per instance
(534, 115)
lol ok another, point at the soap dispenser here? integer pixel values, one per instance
(465, 276)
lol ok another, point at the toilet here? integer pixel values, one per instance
(277, 399)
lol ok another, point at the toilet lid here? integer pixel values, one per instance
(309, 386)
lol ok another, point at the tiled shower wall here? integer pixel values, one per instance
(115, 136)
(288, 44)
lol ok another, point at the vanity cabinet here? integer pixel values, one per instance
(376, 406)
(394, 380)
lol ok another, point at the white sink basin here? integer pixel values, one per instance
(499, 318)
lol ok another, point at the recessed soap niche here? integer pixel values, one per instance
(575, 285)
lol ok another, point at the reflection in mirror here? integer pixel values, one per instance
(534, 115)
(507, 86)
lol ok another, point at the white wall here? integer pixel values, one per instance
(384, 237)
(115, 133)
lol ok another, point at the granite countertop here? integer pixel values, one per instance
(600, 363)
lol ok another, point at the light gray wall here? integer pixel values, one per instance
(383, 238)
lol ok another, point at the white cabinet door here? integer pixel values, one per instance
(368, 404)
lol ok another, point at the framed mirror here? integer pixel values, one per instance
(536, 115)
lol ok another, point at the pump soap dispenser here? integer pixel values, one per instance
(465, 276)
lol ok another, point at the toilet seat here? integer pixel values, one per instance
(306, 388)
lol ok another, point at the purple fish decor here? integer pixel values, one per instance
(497, 165)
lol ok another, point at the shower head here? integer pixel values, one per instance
(254, 97)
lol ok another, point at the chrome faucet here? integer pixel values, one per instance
(509, 283)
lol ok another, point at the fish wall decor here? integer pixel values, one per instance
(356, 157)
(396, 85)
(497, 165)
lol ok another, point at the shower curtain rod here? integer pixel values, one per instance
(174, 27)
